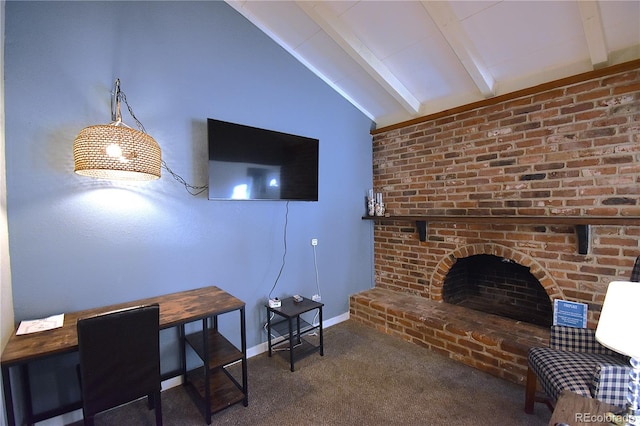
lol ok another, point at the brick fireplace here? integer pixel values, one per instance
(570, 148)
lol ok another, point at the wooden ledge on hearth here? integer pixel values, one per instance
(484, 341)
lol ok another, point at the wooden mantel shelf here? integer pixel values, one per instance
(581, 223)
(528, 220)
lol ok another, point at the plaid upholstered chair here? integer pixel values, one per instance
(575, 361)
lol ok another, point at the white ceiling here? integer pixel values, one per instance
(397, 60)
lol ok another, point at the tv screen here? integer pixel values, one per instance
(248, 163)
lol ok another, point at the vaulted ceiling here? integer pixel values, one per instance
(398, 60)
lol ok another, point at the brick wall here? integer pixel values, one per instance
(568, 150)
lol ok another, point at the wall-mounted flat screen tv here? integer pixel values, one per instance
(248, 163)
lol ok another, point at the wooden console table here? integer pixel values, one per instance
(176, 310)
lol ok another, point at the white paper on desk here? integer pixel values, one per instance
(33, 326)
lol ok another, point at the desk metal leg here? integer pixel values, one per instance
(269, 331)
(243, 337)
(207, 378)
(26, 385)
(291, 343)
(8, 398)
(321, 340)
(183, 353)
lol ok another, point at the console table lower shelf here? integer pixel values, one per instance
(224, 389)
(221, 381)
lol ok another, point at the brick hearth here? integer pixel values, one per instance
(568, 148)
(487, 342)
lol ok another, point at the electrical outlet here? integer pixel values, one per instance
(314, 241)
(316, 298)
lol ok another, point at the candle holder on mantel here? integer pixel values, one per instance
(371, 204)
(375, 206)
(379, 207)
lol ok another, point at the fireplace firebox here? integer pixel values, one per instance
(498, 286)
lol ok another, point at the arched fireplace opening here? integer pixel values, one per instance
(498, 286)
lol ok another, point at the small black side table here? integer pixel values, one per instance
(290, 311)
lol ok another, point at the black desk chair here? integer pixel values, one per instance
(120, 360)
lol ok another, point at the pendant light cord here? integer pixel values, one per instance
(120, 96)
(191, 189)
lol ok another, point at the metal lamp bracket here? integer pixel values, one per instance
(115, 102)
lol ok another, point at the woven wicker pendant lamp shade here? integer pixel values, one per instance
(115, 150)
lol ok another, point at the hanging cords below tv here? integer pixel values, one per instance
(284, 253)
(284, 256)
(191, 189)
(315, 264)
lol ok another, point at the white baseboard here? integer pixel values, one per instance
(75, 416)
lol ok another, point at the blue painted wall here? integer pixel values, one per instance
(77, 243)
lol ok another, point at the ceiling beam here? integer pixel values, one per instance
(462, 46)
(358, 51)
(594, 32)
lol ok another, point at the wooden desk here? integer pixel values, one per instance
(176, 310)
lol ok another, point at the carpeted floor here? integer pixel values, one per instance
(364, 378)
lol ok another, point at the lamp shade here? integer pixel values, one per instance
(618, 327)
(116, 151)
